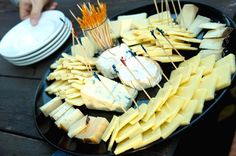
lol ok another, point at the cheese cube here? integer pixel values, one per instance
(67, 119)
(199, 95)
(212, 25)
(174, 104)
(96, 96)
(214, 44)
(175, 83)
(149, 137)
(128, 116)
(161, 117)
(50, 106)
(227, 59)
(142, 112)
(193, 62)
(194, 27)
(78, 126)
(126, 131)
(223, 76)
(185, 71)
(208, 63)
(110, 128)
(149, 124)
(94, 131)
(57, 113)
(168, 128)
(128, 144)
(187, 15)
(188, 112)
(209, 83)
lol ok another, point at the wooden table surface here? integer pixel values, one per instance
(18, 135)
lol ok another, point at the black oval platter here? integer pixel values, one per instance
(59, 139)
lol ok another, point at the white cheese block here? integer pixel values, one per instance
(78, 126)
(142, 111)
(108, 58)
(57, 113)
(149, 137)
(161, 117)
(98, 97)
(126, 131)
(144, 73)
(128, 144)
(94, 131)
(194, 27)
(229, 59)
(168, 128)
(217, 53)
(208, 64)
(199, 95)
(214, 44)
(188, 112)
(223, 76)
(211, 25)
(209, 83)
(115, 28)
(217, 33)
(69, 118)
(187, 15)
(110, 128)
(50, 106)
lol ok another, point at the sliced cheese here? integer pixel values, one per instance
(149, 124)
(208, 64)
(168, 59)
(115, 29)
(153, 105)
(164, 94)
(217, 53)
(161, 117)
(128, 116)
(125, 26)
(78, 126)
(185, 71)
(214, 44)
(175, 83)
(75, 101)
(209, 83)
(50, 106)
(126, 131)
(110, 128)
(217, 33)
(211, 25)
(188, 112)
(194, 27)
(113, 136)
(186, 39)
(187, 15)
(229, 59)
(193, 62)
(199, 95)
(142, 112)
(57, 113)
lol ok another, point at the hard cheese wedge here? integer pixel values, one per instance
(128, 144)
(78, 126)
(126, 131)
(209, 83)
(188, 112)
(229, 59)
(110, 128)
(208, 64)
(50, 106)
(194, 27)
(142, 111)
(199, 95)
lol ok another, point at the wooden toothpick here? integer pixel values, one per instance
(155, 3)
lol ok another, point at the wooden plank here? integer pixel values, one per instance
(16, 106)
(13, 145)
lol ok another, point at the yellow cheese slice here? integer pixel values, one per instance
(50, 106)
(168, 59)
(227, 59)
(149, 137)
(183, 34)
(164, 94)
(209, 83)
(223, 76)
(199, 95)
(128, 116)
(175, 83)
(168, 128)
(211, 25)
(75, 101)
(110, 128)
(188, 112)
(77, 127)
(126, 131)
(208, 63)
(149, 124)
(156, 52)
(193, 62)
(125, 25)
(186, 39)
(161, 117)
(113, 136)
(152, 106)
(142, 111)
(130, 43)
(128, 144)
(214, 44)
(185, 71)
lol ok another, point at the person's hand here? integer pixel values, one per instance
(33, 9)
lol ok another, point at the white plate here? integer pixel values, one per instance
(24, 38)
(29, 56)
(48, 52)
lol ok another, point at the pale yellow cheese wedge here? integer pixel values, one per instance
(183, 34)
(168, 128)
(52, 87)
(212, 25)
(161, 117)
(75, 101)
(57, 113)
(208, 64)
(199, 95)
(126, 131)
(188, 112)
(152, 106)
(186, 39)
(142, 112)
(113, 136)
(159, 17)
(227, 59)
(50, 106)
(164, 94)
(214, 44)
(110, 128)
(125, 25)
(223, 76)
(127, 117)
(131, 43)
(174, 104)
(149, 124)
(217, 33)
(140, 24)
(128, 144)
(194, 27)
(149, 137)
(77, 126)
(175, 83)
(193, 62)
(185, 71)
(209, 83)
(168, 59)
(217, 53)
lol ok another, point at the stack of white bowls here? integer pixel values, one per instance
(25, 44)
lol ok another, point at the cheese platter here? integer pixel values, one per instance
(148, 88)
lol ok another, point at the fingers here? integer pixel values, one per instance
(53, 6)
(36, 13)
(25, 9)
